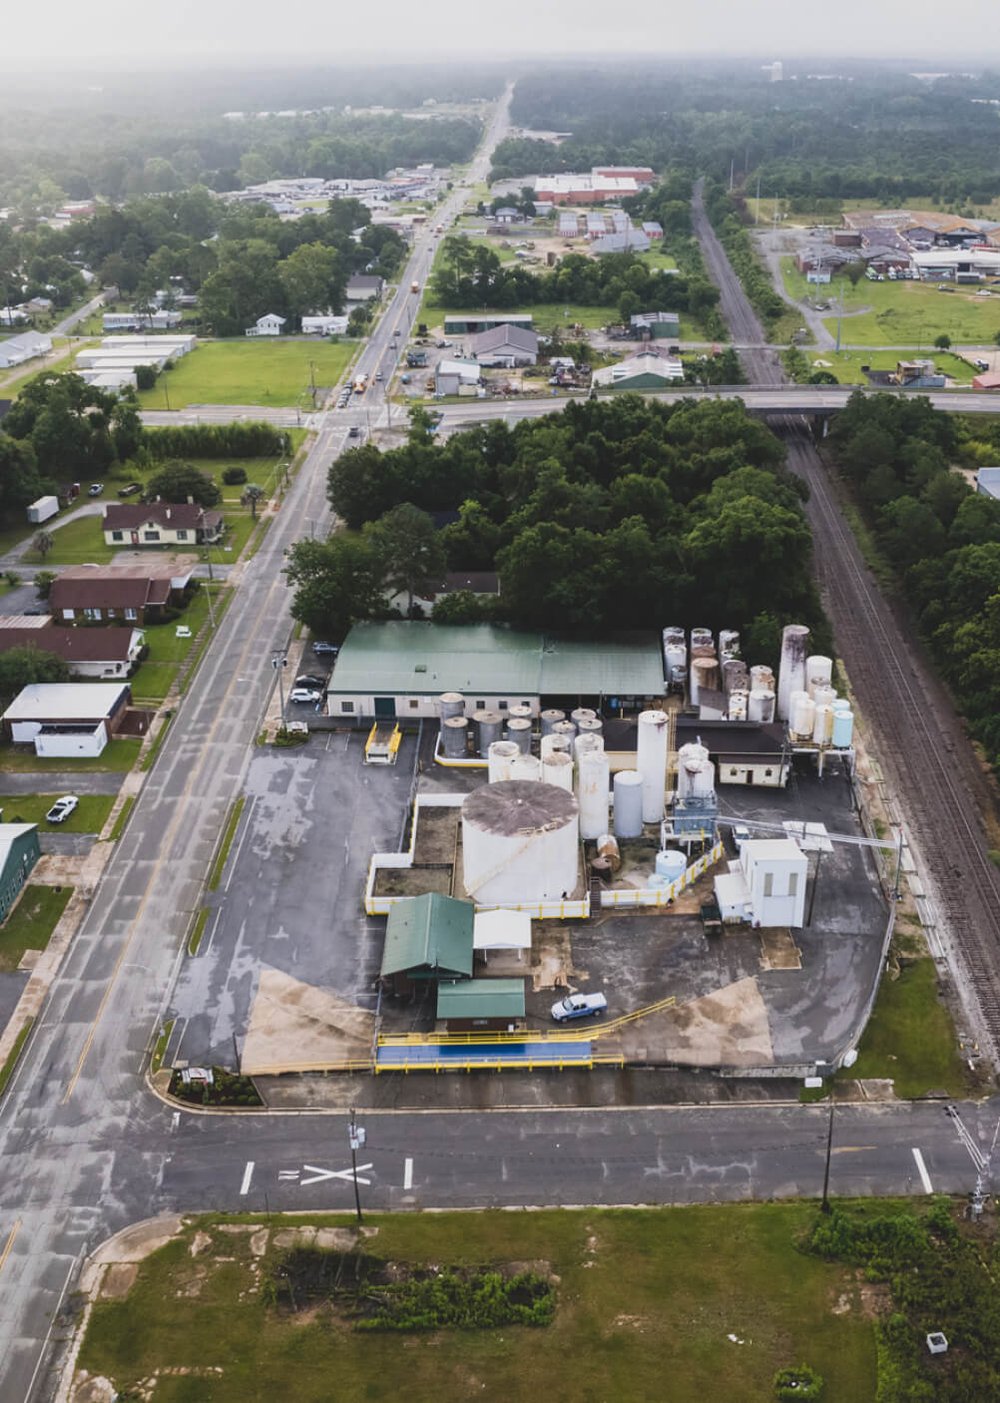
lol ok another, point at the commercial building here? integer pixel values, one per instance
(988, 380)
(656, 326)
(602, 185)
(481, 1005)
(399, 670)
(455, 377)
(427, 938)
(469, 323)
(505, 346)
(140, 321)
(70, 719)
(161, 524)
(362, 287)
(626, 241)
(19, 851)
(766, 886)
(647, 370)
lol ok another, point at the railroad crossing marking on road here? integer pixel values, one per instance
(317, 1175)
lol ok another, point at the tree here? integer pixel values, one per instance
(855, 271)
(42, 542)
(943, 342)
(312, 279)
(336, 583)
(20, 480)
(411, 551)
(253, 495)
(20, 667)
(177, 482)
(44, 581)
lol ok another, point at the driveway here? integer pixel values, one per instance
(93, 507)
(55, 782)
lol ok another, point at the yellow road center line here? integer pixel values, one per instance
(9, 1243)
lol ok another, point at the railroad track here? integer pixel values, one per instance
(918, 737)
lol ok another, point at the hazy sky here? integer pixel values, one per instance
(222, 32)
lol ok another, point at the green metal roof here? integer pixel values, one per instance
(481, 998)
(429, 935)
(421, 659)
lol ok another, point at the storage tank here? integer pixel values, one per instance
(823, 696)
(593, 727)
(672, 635)
(792, 671)
(564, 728)
(454, 731)
(520, 842)
(651, 762)
(519, 731)
(704, 675)
(690, 759)
(738, 702)
(607, 847)
(489, 728)
(592, 780)
(671, 863)
(703, 781)
(550, 744)
(841, 704)
(628, 804)
(762, 678)
(843, 728)
(502, 754)
(675, 658)
(582, 713)
(520, 710)
(734, 676)
(823, 725)
(557, 769)
(587, 745)
(819, 670)
(729, 643)
(802, 715)
(451, 704)
(760, 706)
(549, 717)
(526, 767)
(702, 638)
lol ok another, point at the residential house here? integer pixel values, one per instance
(28, 346)
(362, 287)
(19, 851)
(161, 524)
(89, 652)
(107, 595)
(269, 324)
(140, 321)
(324, 324)
(507, 214)
(505, 346)
(67, 718)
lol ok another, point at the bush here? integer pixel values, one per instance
(799, 1383)
(145, 377)
(233, 477)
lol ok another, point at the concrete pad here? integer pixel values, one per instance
(552, 957)
(778, 949)
(728, 1028)
(293, 1026)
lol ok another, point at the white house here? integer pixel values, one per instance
(325, 324)
(766, 886)
(27, 346)
(269, 324)
(140, 321)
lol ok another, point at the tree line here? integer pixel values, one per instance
(941, 537)
(608, 516)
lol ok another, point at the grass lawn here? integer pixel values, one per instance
(62, 350)
(846, 365)
(31, 923)
(76, 543)
(265, 371)
(89, 816)
(118, 756)
(645, 1304)
(658, 256)
(167, 652)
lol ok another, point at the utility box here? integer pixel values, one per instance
(937, 1343)
(42, 509)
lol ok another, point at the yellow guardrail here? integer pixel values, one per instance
(589, 1034)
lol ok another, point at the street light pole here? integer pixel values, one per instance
(356, 1136)
(278, 662)
(825, 1205)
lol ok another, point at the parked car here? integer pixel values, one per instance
(62, 808)
(354, 431)
(310, 679)
(305, 694)
(378, 375)
(130, 490)
(320, 647)
(579, 1006)
(95, 489)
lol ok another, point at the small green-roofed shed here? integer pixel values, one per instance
(480, 1003)
(428, 937)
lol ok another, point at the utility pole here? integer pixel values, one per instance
(356, 1136)
(756, 217)
(279, 661)
(825, 1205)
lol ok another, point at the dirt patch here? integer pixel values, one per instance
(552, 957)
(728, 1028)
(118, 1280)
(199, 1243)
(778, 950)
(875, 1298)
(93, 1390)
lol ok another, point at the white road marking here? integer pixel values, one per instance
(288, 1173)
(233, 858)
(925, 1178)
(247, 1176)
(407, 1173)
(318, 1175)
(175, 1120)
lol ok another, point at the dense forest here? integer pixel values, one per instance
(155, 134)
(852, 131)
(608, 516)
(941, 537)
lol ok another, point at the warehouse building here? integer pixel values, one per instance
(399, 670)
(469, 323)
(19, 851)
(647, 370)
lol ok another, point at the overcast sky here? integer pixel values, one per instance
(224, 32)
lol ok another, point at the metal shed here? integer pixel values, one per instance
(427, 937)
(481, 1004)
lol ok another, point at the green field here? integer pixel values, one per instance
(82, 541)
(265, 371)
(913, 203)
(647, 1305)
(118, 755)
(846, 365)
(31, 923)
(167, 652)
(89, 816)
(902, 313)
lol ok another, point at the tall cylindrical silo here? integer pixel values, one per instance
(520, 710)
(592, 779)
(582, 713)
(792, 671)
(761, 678)
(819, 670)
(519, 731)
(588, 744)
(590, 726)
(549, 744)
(489, 728)
(843, 728)
(704, 676)
(520, 842)
(703, 781)
(702, 638)
(802, 715)
(526, 767)
(500, 761)
(675, 657)
(822, 725)
(628, 804)
(557, 769)
(734, 676)
(690, 759)
(549, 718)
(738, 702)
(450, 704)
(454, 730)
(729, 643)
(761, 705)
(651, 762)
(564, 728)
(672, 635)
(823, 696)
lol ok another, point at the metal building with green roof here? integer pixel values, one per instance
(427, 937)
(469, 1004)
(19, 851)
(398, 670)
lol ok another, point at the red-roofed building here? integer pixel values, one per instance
(161, 524)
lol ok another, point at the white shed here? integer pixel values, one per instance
(501, 930)
(775, 872)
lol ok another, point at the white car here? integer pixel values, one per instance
(579, 1006)
(305, 694)
(62, 808)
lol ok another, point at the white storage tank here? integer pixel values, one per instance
(843, 729)
(702, 638)
(703, 781)
(454, 731)
(582, 713)
(489, 728)
(738, 702)
(549, 744)
(802, 715)
(704, 675)
(671, 863)
(823, 696)
(587, 745)
(557, 769)
(734, 676)
(691, 758)
(549, 717)
(823, 725)
(519, 732)
(520, 710)
(564, 728)
(592, 793)
(520, 842)
(760, 706)
(450, 704)
(675, 664)
(792, 671)
(651, 762)
(628, 804)
(761, 678)
(500, 761)
(526, 767)
(673, 635)
(819, 670)
(729, 643)
(593, 726)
